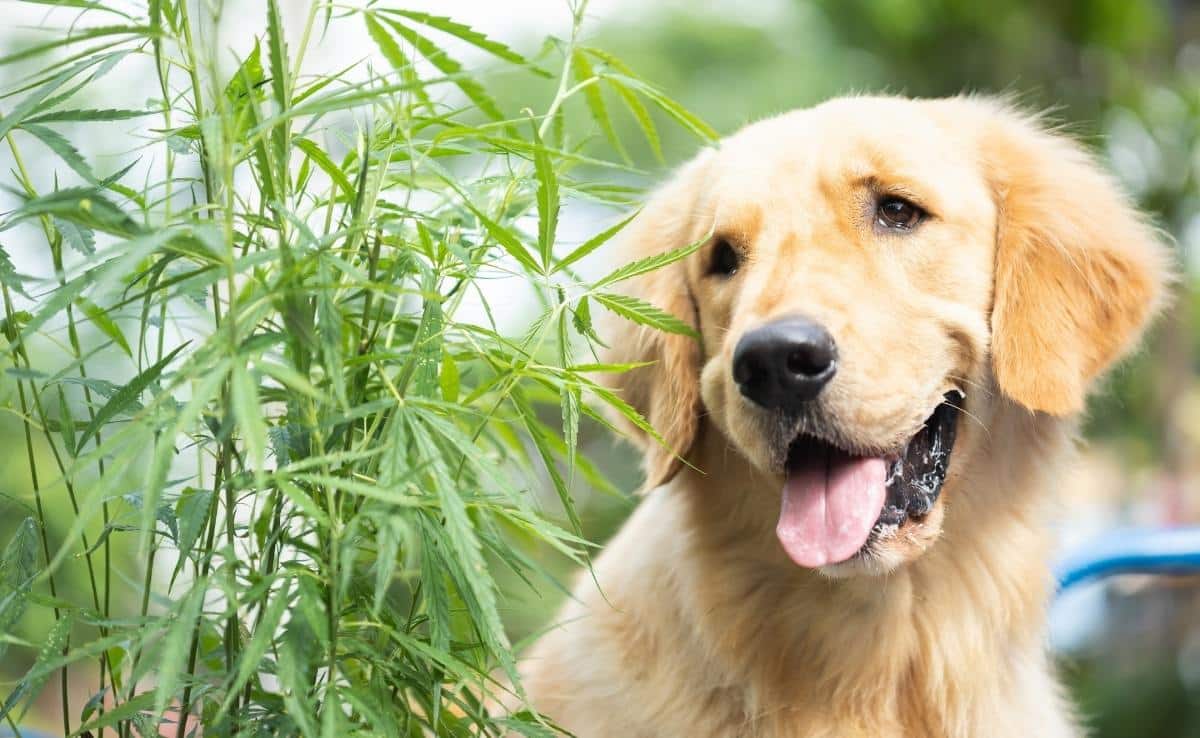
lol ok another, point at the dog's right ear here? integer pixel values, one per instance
(666, 391)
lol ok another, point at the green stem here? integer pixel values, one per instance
(18, 348)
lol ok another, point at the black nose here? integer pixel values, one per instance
(785, 363)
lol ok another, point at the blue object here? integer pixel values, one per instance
(1133, 551)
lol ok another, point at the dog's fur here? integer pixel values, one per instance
(1031, 275)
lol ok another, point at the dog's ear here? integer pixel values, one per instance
(1078, 272)
(667, 390)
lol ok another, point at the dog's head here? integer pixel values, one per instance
(877, 269)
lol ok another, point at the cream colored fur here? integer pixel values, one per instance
(1032, 275)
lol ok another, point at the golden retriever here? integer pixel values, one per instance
(901, 305)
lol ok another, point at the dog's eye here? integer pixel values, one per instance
(725, 259)
(898, 214)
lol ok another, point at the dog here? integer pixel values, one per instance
(901, 306)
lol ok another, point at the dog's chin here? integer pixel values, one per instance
(848, 510)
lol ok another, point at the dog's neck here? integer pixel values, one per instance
(970, 596)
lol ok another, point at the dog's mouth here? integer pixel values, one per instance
(835, 499)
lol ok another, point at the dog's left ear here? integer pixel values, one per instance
(666, 390)
(1078, 272)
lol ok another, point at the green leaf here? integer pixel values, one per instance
(445, 64)
(635, 106)
(249, 415)
(87, 115)
(507, 240)
(322, 160)
(541, 441)
(682, 116)
(643, 313)
(649, 264)
(595, 100)
(164, 448)
(173, 650)
(641, 115)
(581, 318)
(74, 38)
(329, 331)
(84, 206)
(571, 402)
(66, 423)
(448, 378)
(547, 199)
(250, 658)
(101, 320)
(387, 45)
(18, 565)
(126, 396)
(592, 244)
(10, 278)
(461, 31)
(79, 237)
(127, 710)
(35, 679)
(303, 501)
(65, 150)
(246, 80)
(191, 513)
(277, 55)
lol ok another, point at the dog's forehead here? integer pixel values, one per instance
(819, 153)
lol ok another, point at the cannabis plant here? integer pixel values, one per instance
(276, 440)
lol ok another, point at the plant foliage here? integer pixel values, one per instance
(268, 377)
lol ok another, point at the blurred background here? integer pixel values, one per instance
(1124, 76)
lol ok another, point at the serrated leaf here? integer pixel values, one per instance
(461, 31)
(9, 276)
(507, 240)
(649, 264)
(643, 313)
(248, 413)
(571, 402)
(89, 115)
(36, 99)
(322, 160)
(79, 237)
(303, 501)
(682, 115)
(547, 198)
(641, 115)
(595, 100)
(164, 448)
(102, 321)
(35, 679)
(277, 55)
(250, 658)
(74, 38)
(126, 395)
(592, 244)
(84, 206)
(66, 424)
(540, 437)
(17, 567)
(127, 710)
(173, 650)
(448, 66)
(191, 512)
(64, 148)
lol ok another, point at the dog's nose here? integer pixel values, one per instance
(785, 363)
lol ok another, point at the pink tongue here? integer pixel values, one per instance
(829, 508)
